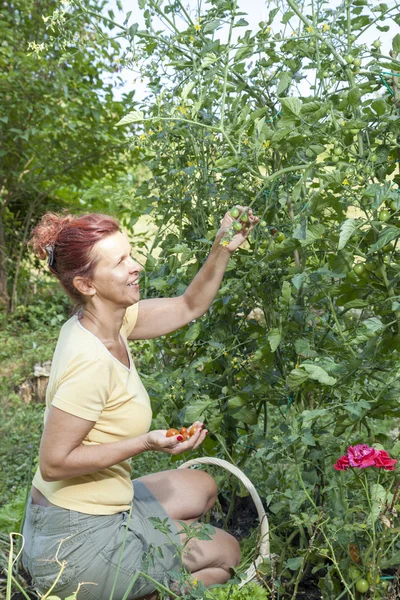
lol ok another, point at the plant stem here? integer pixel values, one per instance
(334, 315)
(227, 64)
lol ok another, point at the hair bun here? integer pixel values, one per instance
(44, 235)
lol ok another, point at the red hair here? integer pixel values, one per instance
(68, 242)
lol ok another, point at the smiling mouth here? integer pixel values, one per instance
(136, 282)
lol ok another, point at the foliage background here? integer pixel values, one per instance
(298, 356)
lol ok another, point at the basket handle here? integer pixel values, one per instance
(264, 527)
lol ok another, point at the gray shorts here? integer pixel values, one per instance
(91, 549)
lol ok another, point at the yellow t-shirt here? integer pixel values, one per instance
(86, 380)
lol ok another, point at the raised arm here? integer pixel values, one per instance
(160, 316)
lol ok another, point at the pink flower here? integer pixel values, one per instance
(342, 463)
(361, 456)
(383, 461)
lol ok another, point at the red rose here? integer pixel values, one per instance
(362, 456)
(383, 461)
(342, 463)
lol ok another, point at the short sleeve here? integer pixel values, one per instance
(83, 389)
(130, 318)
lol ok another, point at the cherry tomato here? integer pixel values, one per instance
(384, 215)
(237, 226)
(359, 269)
(362, 586)
(234, 212)
(357, 62)
(280, 237)
(370, 578)
(354, 573)
(263, 223)
(274, 231)
(192, 430)
(171, 432)
(371, 265)
(388, 248)
(183, 431)
(376, 44)
(349, 58)
(244, 217)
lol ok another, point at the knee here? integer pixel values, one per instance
(212, 491)
(209, 486)
(233, 553)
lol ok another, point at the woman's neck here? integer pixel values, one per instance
(103, 322)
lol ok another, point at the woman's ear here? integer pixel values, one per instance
(84, 285)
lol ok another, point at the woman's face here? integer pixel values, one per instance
(116, 276)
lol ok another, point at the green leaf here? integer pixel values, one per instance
(314, 233)
(379, 106)
(296, 378)
(135, 116)
(373, 324)
(195, 411)
(193, 332)
(341, 263)
(379, 497)
(319, 374)
(211, 26)
(246, 415)
(187, 89)
(385, 236)
(396, 43)
(236, 402)
(285, 80)
(287, 16)
(284, 300)
(208, 60)
(310, 415)
(274, 337)
(294, 563)
(354, 96)
(303, 348)
(346, 231)
(291, 106)
(356, 303)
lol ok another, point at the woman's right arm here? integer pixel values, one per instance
(63, 455)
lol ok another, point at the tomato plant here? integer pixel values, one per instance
(298, 353)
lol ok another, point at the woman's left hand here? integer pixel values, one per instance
(238, 236)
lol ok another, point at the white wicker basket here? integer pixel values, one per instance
(264, 550)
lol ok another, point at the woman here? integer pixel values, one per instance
(85, 513)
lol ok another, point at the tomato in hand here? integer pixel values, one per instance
(234, 212)
(192, 430)
(171, 432)
(237, 226)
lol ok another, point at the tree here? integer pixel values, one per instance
(57, 123)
